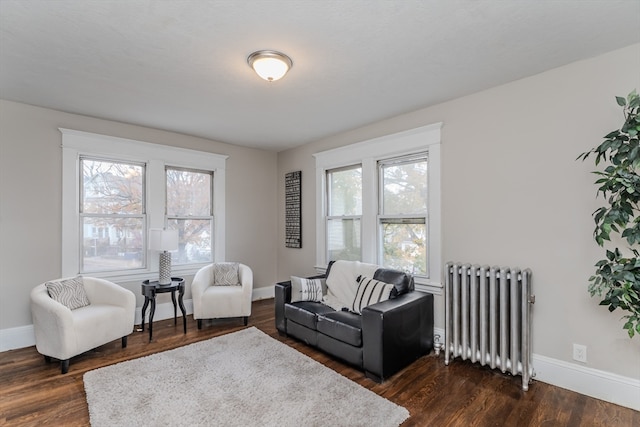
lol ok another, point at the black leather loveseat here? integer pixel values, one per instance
(387, 337)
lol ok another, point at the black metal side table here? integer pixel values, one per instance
(150, 288)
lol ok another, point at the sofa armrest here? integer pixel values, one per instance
(395, 333)
(101, 291)
(282, 296)
(52, 324)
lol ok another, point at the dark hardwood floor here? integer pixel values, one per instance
(34, 393)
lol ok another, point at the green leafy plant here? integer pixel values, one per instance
(617, 277)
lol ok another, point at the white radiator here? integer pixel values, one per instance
(488, 317)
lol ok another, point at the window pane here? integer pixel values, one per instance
(112, 244)
(345, 192)
(111, 188)
(188, 193)
(344, 240)
(194, 240)
(405, 247)
(405, 188)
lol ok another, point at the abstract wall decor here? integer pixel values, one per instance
(293, 209)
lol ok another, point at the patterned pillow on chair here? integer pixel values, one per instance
(226, 274)
(69, 292)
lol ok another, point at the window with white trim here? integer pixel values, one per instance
(114, 190)
(190, 212)
(112, 215)
(399, 187)
(403, 214)
(344, 213)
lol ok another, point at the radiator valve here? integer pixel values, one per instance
(436, 344)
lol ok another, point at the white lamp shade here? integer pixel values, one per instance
(163, 240)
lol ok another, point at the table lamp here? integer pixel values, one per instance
(163, 241)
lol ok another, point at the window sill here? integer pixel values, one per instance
(140, 275)
(429, 287)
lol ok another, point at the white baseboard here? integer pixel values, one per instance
(263, 293)
(623, 391)
(20, 337)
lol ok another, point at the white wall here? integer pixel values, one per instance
(514, 195)
(30, 201)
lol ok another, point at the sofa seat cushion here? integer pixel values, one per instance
(342, 326)
(305, 313)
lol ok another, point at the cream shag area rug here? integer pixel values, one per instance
(245, 378)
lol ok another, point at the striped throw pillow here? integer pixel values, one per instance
(370, 291)
(307, 289)
(69, 292)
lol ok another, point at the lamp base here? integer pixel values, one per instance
(165, 268)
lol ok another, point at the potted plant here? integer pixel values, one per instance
(617, 277)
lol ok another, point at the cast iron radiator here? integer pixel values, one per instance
(488, 317)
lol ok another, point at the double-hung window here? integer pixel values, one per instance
(115, 190)
(190, 211)
(112, 215)
(378, 201)
(403, 214)
(344, 213)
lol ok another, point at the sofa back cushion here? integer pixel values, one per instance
(403, 282)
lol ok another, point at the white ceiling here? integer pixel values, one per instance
(181, 65)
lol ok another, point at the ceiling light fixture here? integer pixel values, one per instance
(269, 64)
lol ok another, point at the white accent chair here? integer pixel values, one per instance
(215, 302)
(62, 333)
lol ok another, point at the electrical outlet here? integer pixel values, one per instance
(580, 353)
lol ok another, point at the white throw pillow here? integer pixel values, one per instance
(370, 291)
(226, 274)
(69, 292)
(307, 289)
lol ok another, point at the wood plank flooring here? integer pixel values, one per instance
(34, 393)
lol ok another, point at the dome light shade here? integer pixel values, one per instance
(269, 64)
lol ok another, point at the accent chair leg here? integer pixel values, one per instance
(124, 342)
(246, 320)
(199, 323)
(64, 366)
(47, 359)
